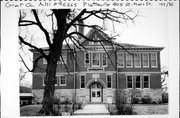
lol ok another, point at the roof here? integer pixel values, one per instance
(133, 46)
(117, 45)
(69, 46)
(24, 89)
(26, 95)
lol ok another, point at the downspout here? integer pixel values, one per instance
(74, 73)
(116, 69)
(116, 72)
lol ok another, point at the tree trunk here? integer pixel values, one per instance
(49, 89)
(53, 57)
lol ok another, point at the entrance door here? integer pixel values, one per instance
(96, 94)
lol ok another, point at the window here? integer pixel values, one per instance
(87, 59)
(138, 82)
(82, 84)
(104, 59)
(62, 58)
(146, 81)
(129, 60)
(62, 81)
(153, 60)
(137, 60)
(96, 39)
(56, 81)
(43, 80)
(44, 61)
(120, 60)
(145, 58)
(95, 59)
(109, 81)
(129, 82)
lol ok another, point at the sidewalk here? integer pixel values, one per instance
(93, 109)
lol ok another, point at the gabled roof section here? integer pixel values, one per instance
(135, 47)
(65, 47)
(94, 34)
(24, 89)
(119, 46)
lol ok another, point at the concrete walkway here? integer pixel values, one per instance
(93, 109)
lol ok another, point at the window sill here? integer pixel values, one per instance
(154, 67)
(82, 88)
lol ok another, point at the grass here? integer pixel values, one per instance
(149, 109)
(32, 110)
(139, 109)
(145, 109)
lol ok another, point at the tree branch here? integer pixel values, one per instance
(75, 19)
(28, 22)
(41, 27)
(32, 46)
(34, 64)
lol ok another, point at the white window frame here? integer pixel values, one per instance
(43, 79)
(44, 61)
(103, 60)
(131, 59)
(122, 54)
(84, 81)
(57, 81)
(148, 81)
(137, 60)
(127, 81)
(143, 60)
(155, 60)
(85, 64)
(59, 78)
(140, 82)
(108, 81)
(92, 59)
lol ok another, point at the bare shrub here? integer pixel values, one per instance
(165, 97)
(56, 105)
(146, 100)
(123, 106)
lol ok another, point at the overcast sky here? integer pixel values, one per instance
(150, 28)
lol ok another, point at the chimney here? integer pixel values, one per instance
(80, 28)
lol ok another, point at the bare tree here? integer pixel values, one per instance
(64, 27)
(164, 77)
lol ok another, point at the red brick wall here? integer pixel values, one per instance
(155, 81)
(60, 67)
(142, 69)
(121, 81)
(38, 82)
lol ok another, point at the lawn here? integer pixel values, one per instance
(146, 109)
(32, 110)
(150, 109)
(139, 109)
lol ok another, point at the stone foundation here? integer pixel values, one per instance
(154, 94)
(83, 95)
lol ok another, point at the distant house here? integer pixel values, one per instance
(26, 96)
(95, 74)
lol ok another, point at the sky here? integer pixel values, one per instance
(149, 28)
